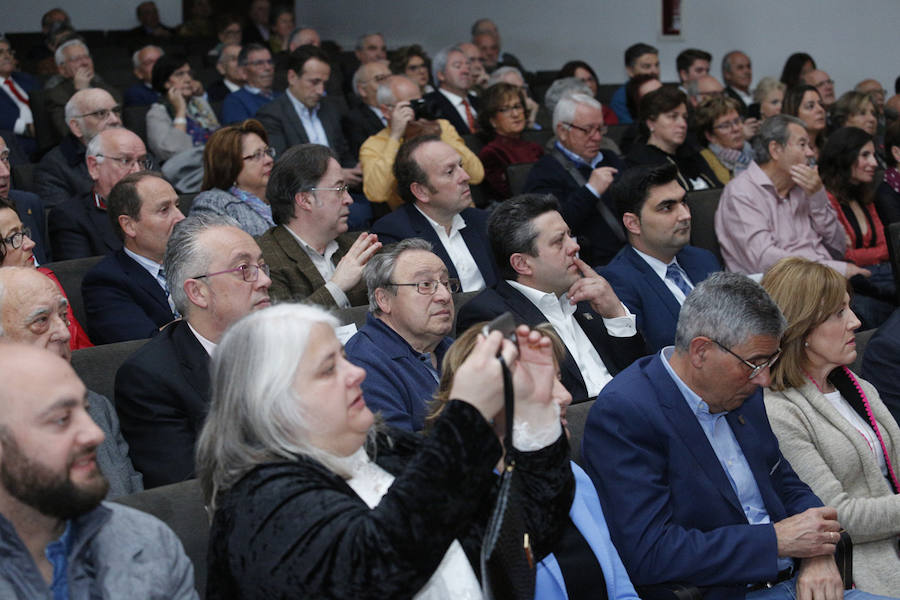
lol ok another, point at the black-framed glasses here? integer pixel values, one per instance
(15, 240)
(589, 131)
(102, 113)
(726, 125)
(339, 189)
(249, 273)
(518, 107)
(258, 155)
(754, 369)
(142, 161)
(430, 288)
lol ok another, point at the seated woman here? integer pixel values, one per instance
(237, 161)
(805, 103)
(663, 118)
(796, 66)
(855, 109)
(15, 251)
(412, 62)
(636, 88)
(768, 96)
(312, 499)
(887, 196)
(281, 23)
(566, 573)
(502, 119)
(720, 127)
(831, 425)
(583, 72)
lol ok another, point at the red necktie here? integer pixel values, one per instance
(15, 92)
(470, 118)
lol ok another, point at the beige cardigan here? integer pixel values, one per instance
(834, 459)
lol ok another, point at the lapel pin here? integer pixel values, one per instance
(741, 420)
(588, 316)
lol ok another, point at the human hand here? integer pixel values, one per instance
(819, 579)
(852, 270)
(196, 88)
(175, 97)
(807, 178)
(751, 127)
(596, 290)
(479, 379)
(353, 175)
(349, 269)
(82, 78)
(531, 107)
(401, 116)
(814, 532)
(601, 178)
(422, 127)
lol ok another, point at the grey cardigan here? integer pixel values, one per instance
(164, 139)
(831, 456)
(220, 202)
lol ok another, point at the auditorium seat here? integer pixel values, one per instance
(97, 366)
(703, 205)
(70, 273)
(517, 175)
(893, 241)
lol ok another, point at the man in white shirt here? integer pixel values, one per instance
(737, 72)
(450, 69)
(544, 280)
(15, 103)
(232, 75)
(366, 118)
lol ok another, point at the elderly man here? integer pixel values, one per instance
(33, 312)
(689, 473)
(370, 48)
(543, 280)
(378, 153)
(737, 72)
(311, 255)
(62, 173)
(255, 60)
(366, 119)
(438, 208)
(477, 74)
(126, 296)
(578, 174)
(232, 74)
(216, 274)
(15, 103)
(403, 342)
(59, 539)
(150, 25)
(701, 88)
(142, 92)
(29, 207)
(452, 100)
(80, 226)
(640, 59)
(656, 270)
(822, 81)
(486, 36)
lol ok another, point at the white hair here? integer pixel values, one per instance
(135, 58)
(498, 75)
(565, 108)
(60, 57)
(95, 147)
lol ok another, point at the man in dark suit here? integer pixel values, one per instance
(80, 227)
(737, 73)
(126, 295)
(452, 99)
(310, 253)
(881, 363)
(29, 207)
(255, 60)
(578, 174)
(438, 208)
(142, 92)
(543, 280)
(366, 119)
(689, 473)
(216, 275)
(232, 75)
(151, 26)
(657, 269)
(15, 104)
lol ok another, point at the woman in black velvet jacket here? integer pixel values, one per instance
(311, 500)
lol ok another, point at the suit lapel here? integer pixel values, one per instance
(655, 283)
(747, 435)
(292, 118)
(192, 358)
(295, 253)
(476, 242)
(143, 279)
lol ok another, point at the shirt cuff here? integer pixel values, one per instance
(591, 189)
(19, 127)
(621, 326)
(338, 294)
(528, 437)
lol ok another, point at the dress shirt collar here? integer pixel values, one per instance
(456, 224)
(151, 266)
(577, 159)
(759, 177)
(455, 99)
(694, 402)
(207, 344)
(301, 108)
(330, 248)
(232, 87)
(545, 300)
(658, 266)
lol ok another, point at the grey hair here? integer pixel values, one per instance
(185, 257)
(497, 75)
(72, 109)
(564, 112)
(774, 129)
(564, 87)
(439, 62)
(380, 268)
(136, 61)
(358, 74)
(95, 147)
(729, 308)
(362, 39)
(692, 89)
(221, 57)
(765, 86)
(60, 58)
(254, 414)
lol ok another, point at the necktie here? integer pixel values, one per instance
(161, 278)
(470, 118)
(15, 92)
(673, 273)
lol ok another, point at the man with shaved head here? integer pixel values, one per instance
(822, 81)
(366, 118)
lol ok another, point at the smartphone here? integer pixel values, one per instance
(505, 324)
(753, 111)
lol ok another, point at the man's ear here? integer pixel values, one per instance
(75, 128)
(197, 292)
(521, 263)
(93, 166)
(699, 350)
(303, 201)
(775, 149)
(420, 191)
(381, 299)
(632, 223)
(291, 77)
(126, 224)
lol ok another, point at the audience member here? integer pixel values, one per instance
(142, 92)
(636, 88)
(692, 64)
(887, 195)
(53, 22)
(855, 109)
(370, 48)
(544, 280)
(256, 30)
(477, 75)
(720, 128)
(640, 59)
(702, 88)
(255, 61)
(232, 75)
(452, 100)
(304, 36)
(768, 95)
(823, 83)
(150, 25)
(216, 275)
(281, 24)
(312, 257)
(795, 68)
(874, 89)
(15, 102)
(199, 23)
(413, 62)
(737, 73)
(438, 208)
(583, 71)
(513, 76)
(228, 31)
(366, 119)
(126, 295)
(28, 206)
(658, 268)
(486, 36)
(881, 363)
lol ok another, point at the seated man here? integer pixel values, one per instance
(692, 64)
(431, 180)
(232, 74)
(216, 275)
(486, 36)
(452, 100)
(737, 72)
(577, 173)
(658, 268)
(80, 226)
(378, 153)
(701, 88)
(543, 280)
(692, 482)
(821, 81)
(881, 363)
(366, 119)
(259, 69)
(310, 253)
(640, 59)
(125, 295)
(28, 206)
(59, 539)
(150, 25)
(142, 92)
(403, 342)
(33, 312)
(15, 105)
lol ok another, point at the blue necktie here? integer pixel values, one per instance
(161, 278)
(673, 272)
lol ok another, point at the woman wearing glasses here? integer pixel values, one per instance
(831, 425)
(720, 127)
(237, 161)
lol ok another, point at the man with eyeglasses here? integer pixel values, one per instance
(80, 226)
(233, 76)
(259, 69)
(216, 275)
(693, 485)
(142, 92)
(822, 81)
(403, 342)
(366, 118)
(126, 295)
(29, 207)
(578, 174)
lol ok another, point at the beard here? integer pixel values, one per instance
(51, 493)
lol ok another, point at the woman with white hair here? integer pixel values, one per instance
(312, 499)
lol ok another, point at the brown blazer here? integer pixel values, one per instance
(293, 274)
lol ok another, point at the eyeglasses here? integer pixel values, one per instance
(249, 273)
(824, 83)
(267, 62)
(16, 239)
(258, 155)
(589, 131)
(339, 190)
(754, 369)
(102, 113)
(513, 108)
(142, 161)
(726, 125)
(430, 288)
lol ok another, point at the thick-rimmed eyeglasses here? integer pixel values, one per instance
(339, 190)
(754, 369)
(726, 125)
(258, 155)
(511, 108)
(249, 273)
(430, 288)
(143, 162)
(15, 240)
(102, 113)
(588, 131)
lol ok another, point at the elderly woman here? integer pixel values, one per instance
(311, 499)
(720, 126)
(832, 426)
(412, 62)
(887, 196)
(502, 119)
(236, 166)
(585, 556)
(855, 109)
(805, 103)
(663, 117)
(768, 95)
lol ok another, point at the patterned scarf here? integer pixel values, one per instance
(258, 206)
(892, 178)
(733, 160)
(201, 121)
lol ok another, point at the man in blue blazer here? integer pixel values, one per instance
(126, 295)
(656, 270)
(689, 473)
(256, 62)
(15, 103)
(435, 188)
